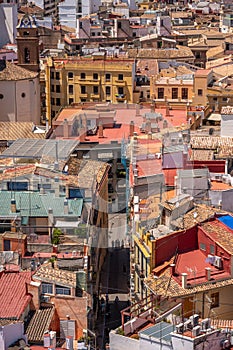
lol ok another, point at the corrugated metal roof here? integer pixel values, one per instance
(34, 204)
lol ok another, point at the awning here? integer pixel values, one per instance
(67, 224)
(215, 117)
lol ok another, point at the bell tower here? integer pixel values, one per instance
(28, 44)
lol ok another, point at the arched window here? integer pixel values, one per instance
(26, 55)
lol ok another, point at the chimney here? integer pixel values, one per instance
(82, 135)
(66, 207)
(167, 111)
(131, 128)
(172, 270)
(2, 64)
(101, 130)
(137, 110)
(13, 205)
(208, 273)
(184, 279)
(65, 129)
(56, 186)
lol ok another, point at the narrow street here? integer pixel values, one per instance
(114, 288)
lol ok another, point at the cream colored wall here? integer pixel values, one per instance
(225, 309)
(89, 67)
(14, 107)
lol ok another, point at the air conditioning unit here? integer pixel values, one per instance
(205, 324)
(196, 331)
(188, 325)
(180, 328)
(194, 319)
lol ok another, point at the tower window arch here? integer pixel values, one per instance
(26, 55)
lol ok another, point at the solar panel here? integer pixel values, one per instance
(30, 148)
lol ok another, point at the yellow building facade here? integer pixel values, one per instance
(88, 79)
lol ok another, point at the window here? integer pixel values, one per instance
(184, 93)
(52, 75)
(203, 246)
(26, 55)
(52, 88)
(1, 96)
(134, 34)
(120, 77)
(212, 249)
(57, 75)
(160, 92)
(214, 300)
(58, 101)
(95, 76)
(47, 288)
(95, 90)
(80, 23)
(200, 92)
(71, 100)
(121, 90)
(83, 89)
(62, 290)
(70, 75)
(224, 99)
(174, 93)
(215, 98)
(83, 76)
(71, 89)
(58, 88)
(108, 90)
(52, 101)
(23, 95)
(119, 25)
(107, 76)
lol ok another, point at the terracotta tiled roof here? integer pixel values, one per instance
(202, 213)
(14, 297)
(48, 274)
(179, 52)
(39, 323)
(13, 72)
(220, 233)
(18, 130)
(166, 286)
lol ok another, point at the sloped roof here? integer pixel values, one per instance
(178, 52)
(34, 204)
(13, 291)
(16, 130)
(13, 72)
(39, 323)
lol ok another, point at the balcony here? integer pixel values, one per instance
(95, 96)
(120, 82)
(84, 95)
(120, 97)
(87, 81)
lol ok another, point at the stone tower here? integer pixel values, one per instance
(28, 44)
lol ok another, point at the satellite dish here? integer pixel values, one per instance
(195, 215)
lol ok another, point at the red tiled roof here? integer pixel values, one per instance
(13, 292)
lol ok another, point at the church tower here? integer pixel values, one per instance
(28, 44)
